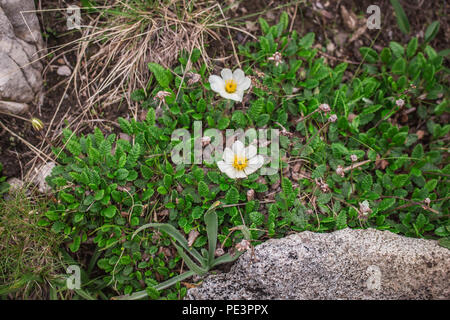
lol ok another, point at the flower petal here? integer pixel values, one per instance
(226, 74)
(240, 174)
(239, 94)
(238, 148)
(254, 164)
(228, 155)
(232, 96)
(227, 168)
(250, 151)
(244, 84)
(238, 76)
(217, 84)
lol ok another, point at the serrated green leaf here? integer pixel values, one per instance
(161, 74)
(232, 196)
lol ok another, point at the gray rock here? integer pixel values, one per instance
(15, 184)
(64, 71)
(20, 41)
(41, 173)
(346, 264)
(13, 107)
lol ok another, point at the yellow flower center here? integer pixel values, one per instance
(240, 162)
(230, 86)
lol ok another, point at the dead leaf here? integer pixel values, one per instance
(351, 116)
(189, 285)
(193, 234)
(381, 163)
(358, 32)
(251, 26)
(420, 134)
(349, 18)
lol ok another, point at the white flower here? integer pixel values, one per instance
(354, 158)
(364, 208)
(239, 162)
(340, 171)
(243, 245)
(161, 95)
(325, 108)
(332, 118)
(193, 78)
(400, 102)
(206, 140)
(231, 85)
(277, 58)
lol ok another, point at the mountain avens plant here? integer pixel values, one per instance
(360, 146)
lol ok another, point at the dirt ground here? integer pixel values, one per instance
(332, 26)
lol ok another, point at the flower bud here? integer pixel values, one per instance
(37, 124)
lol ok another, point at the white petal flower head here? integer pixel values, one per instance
(400, 102)
(239, 162)
(231, 85)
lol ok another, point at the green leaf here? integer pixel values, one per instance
(121, 174)
(223, 123)
(125, 125)
(138, 95)
(431, 185)
(324, 198)
(264, 25)
(399, 66)
(386, 55)
(307, 41)
(397, 49)
(319, 171)
(109, 212)
(238, 117)
(211, 230)
(386, 204)
(197, 212)
(417, 151)
(341, 220)
(432, 31)
(402, 19)
(257, 218)
(146, 172)
(284, 20)
(232, 196)
(412, 47)
(161, 74)
(162, 190)
(256, 108)
(286, 186)
(366, 182)
(339, 150)
(67, 197)
(75, 245)
(400, 180)
(203, 189)
(444, 242)
(99, 195)
(420, 221)
(369, 54)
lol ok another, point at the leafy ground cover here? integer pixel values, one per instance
(356, 165)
